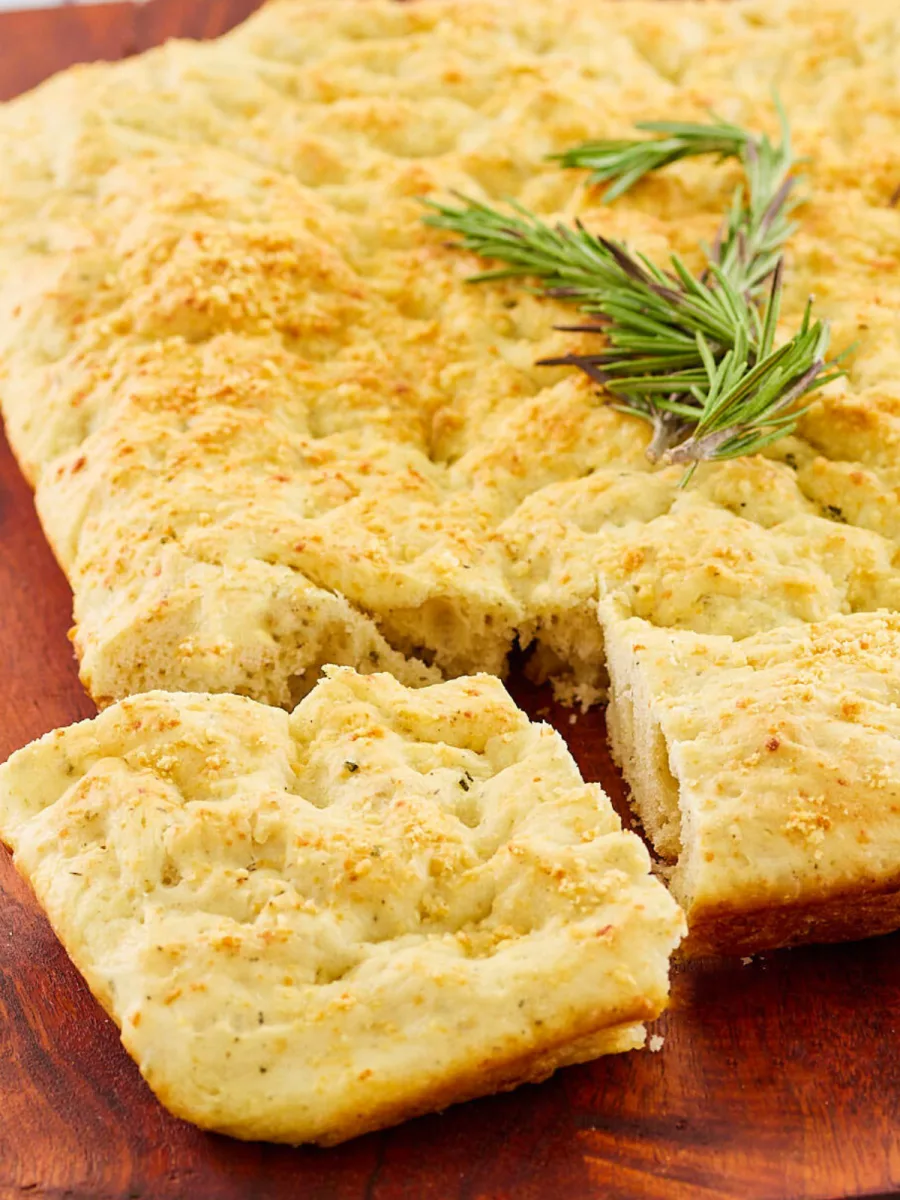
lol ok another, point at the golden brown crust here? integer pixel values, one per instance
(843, 916)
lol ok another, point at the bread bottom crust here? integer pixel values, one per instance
(844, 916)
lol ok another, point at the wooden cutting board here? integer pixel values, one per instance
(778, 1077)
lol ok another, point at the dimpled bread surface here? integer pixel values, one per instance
(269, 423)
(313, 925)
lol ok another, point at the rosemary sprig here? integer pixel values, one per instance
(692, 355)
(758, 223)
(623, 161)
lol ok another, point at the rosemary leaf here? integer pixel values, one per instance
(623, 162)
(757, 224)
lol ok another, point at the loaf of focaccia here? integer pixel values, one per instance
(310, 926)
(269, 423)
(766, 773)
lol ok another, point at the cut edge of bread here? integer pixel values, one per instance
(641, 750)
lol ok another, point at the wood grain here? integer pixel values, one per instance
(777, 1079)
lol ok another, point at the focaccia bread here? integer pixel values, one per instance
(269, 423)
(766, 773)
(310, 926)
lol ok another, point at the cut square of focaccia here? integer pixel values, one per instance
(766, 772)
(313, 925)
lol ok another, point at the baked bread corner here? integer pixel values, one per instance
(766, 774)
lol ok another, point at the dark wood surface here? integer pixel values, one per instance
(779, 1078)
